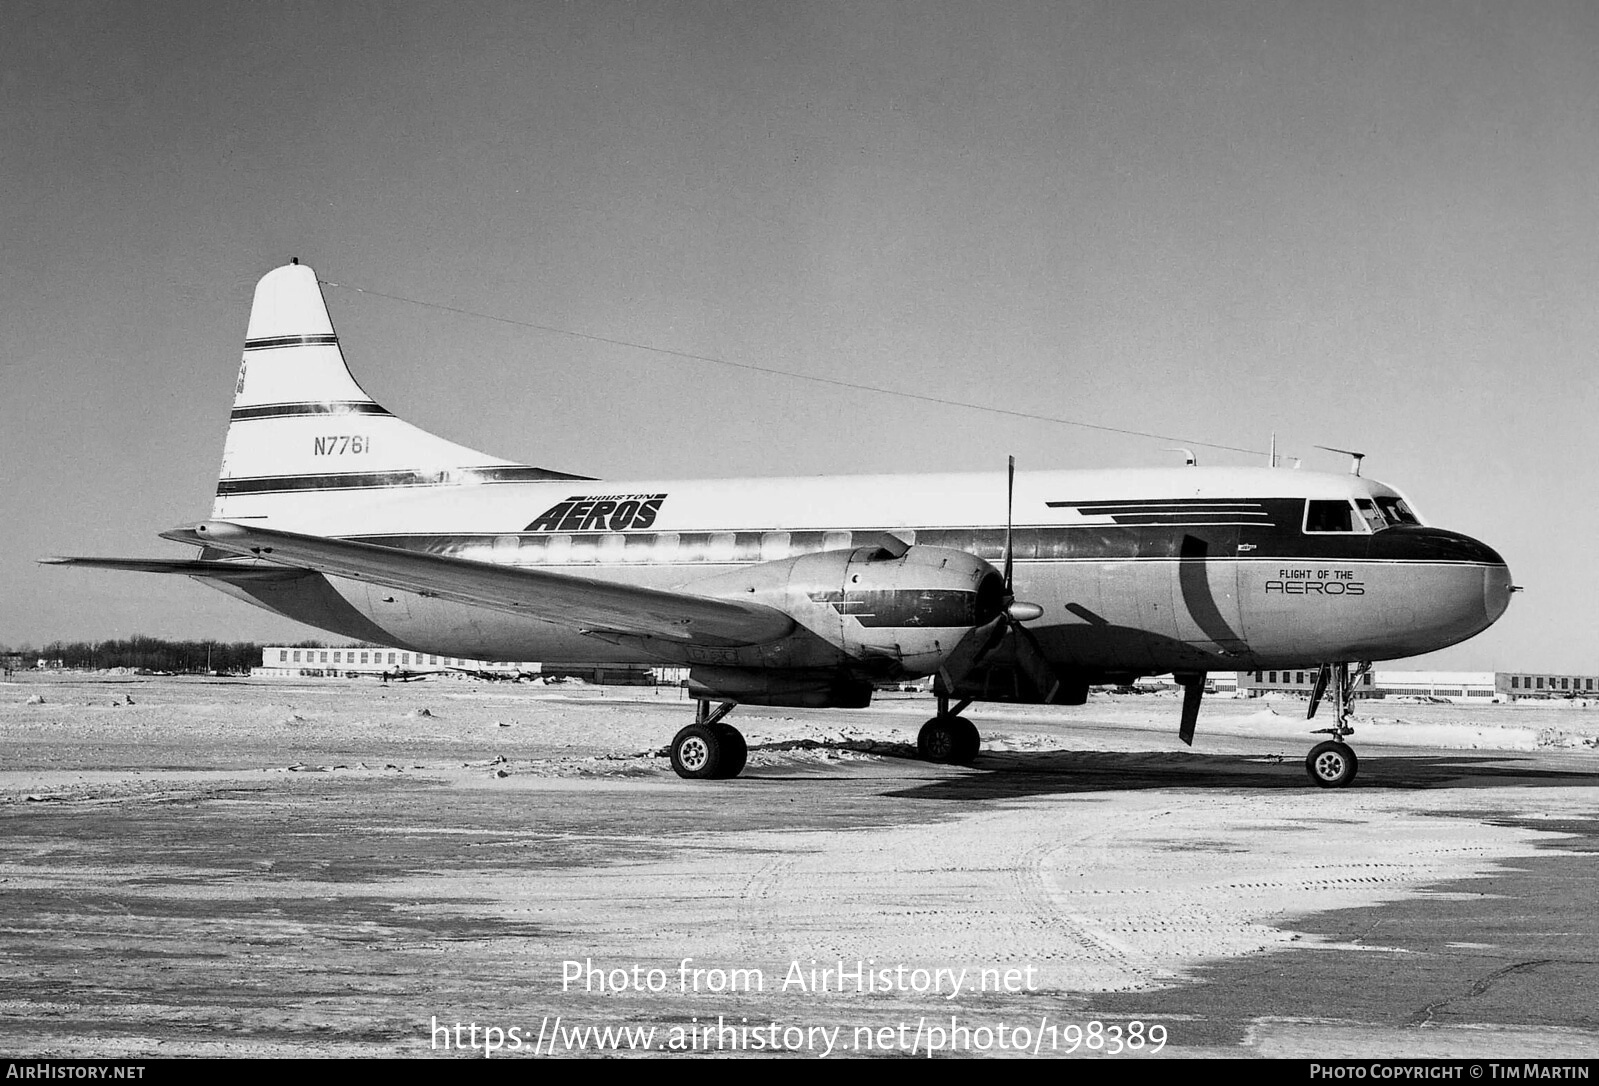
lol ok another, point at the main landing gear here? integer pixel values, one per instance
(949, 738)
(708, 749)
(1333, 764)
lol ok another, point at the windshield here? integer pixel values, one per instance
(1395, 511)
(1375, 521)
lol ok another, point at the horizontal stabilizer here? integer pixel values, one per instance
(571, 601)
(187, 567)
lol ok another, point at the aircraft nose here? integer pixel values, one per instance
(1417, 544)
(1475, 597)
(1496, 590)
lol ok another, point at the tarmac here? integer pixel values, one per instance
(469, 869)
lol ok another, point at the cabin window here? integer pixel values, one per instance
(719, 548)
(638, 547)
(558, 551)
(531, 551)
(1027, 544)
(774, 546)
(1331, 516)
(611, 548)
(835, 541)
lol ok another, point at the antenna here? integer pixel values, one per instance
(1273, 461)
(1354, 457)
(1188, 455)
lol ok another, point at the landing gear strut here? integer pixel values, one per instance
(709, 749)
(1333, 764)
(949, 738)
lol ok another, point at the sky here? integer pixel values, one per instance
(1369, 226)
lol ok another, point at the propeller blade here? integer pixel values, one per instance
(1010, 501)
(1032, 662)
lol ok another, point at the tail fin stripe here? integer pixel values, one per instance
(269, 342)
(295, 410)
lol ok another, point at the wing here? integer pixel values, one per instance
(578, 603)
(187, 567)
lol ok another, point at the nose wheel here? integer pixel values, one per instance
(1332, 764)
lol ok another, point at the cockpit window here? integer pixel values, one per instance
(1396, 511)
(1369, 512)
(1331, 516)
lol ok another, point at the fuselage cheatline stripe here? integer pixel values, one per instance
(278, 484)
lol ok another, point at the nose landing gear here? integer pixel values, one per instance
(1333, 764)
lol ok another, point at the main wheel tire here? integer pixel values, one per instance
(697, 753)
(969, 742)
(735, 751)
(948, 740)
(1332, 764)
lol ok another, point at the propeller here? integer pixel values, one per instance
(1015, 610)
(1030, 658)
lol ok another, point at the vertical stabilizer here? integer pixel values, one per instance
(303, 433)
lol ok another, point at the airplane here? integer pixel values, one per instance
(809, 592)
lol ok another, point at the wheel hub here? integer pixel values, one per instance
(693, 753)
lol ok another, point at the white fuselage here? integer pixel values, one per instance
(1135, 571)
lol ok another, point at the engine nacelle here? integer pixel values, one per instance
(799, 689)
(900, 615)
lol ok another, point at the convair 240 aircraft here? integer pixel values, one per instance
(807, 592)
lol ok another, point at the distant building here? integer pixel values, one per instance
(1535, 685)
(1252, 684)
(371, 661)
(1467, 686)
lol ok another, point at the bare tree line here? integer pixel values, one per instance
(150, 654)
